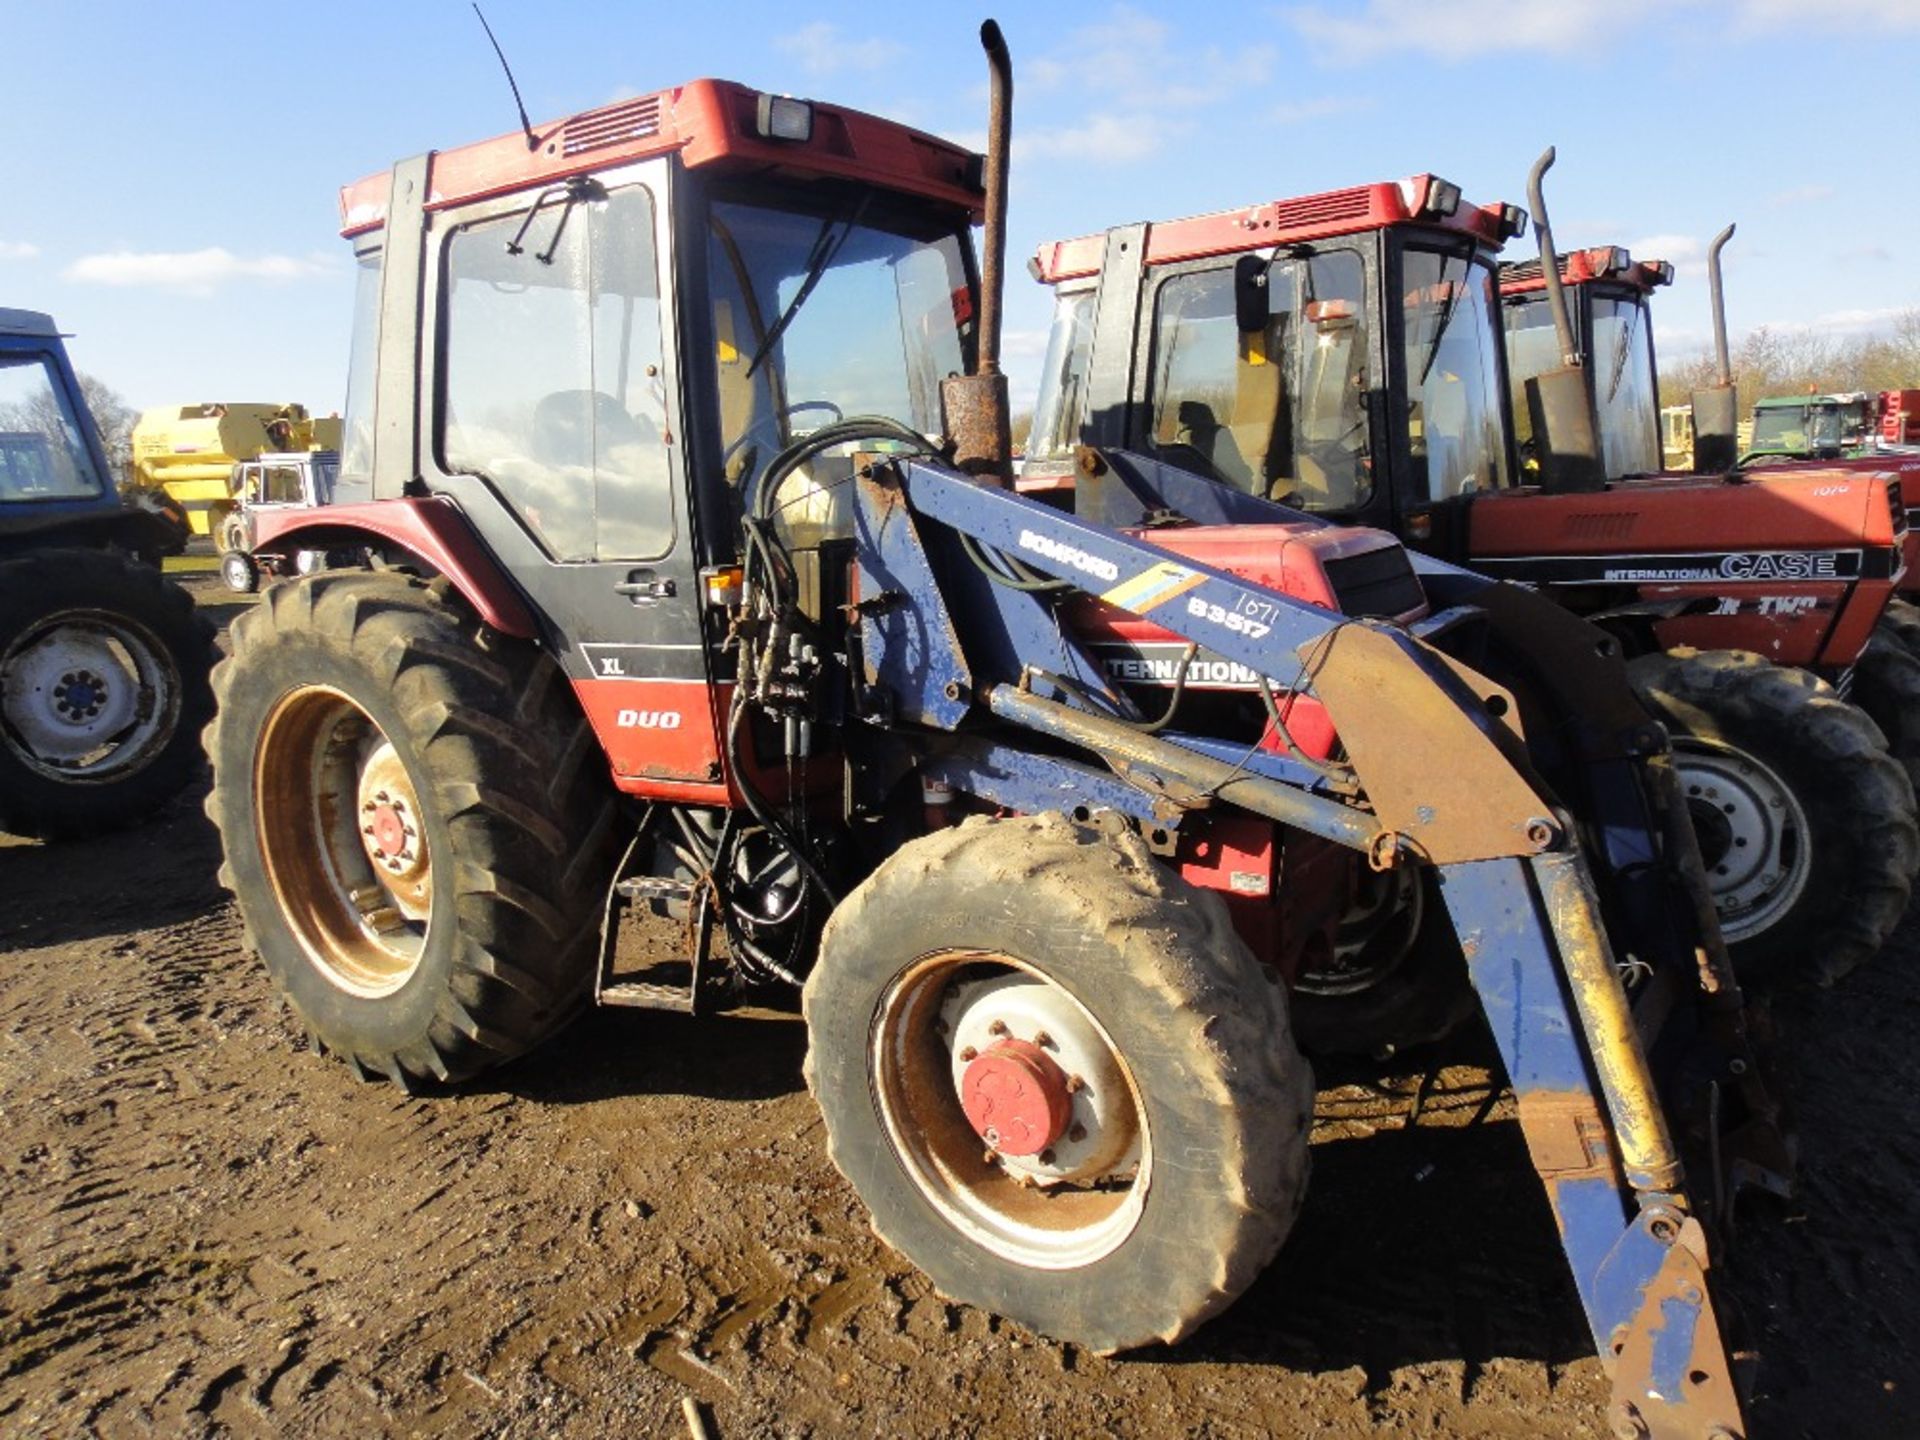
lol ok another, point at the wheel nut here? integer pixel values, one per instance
(1044, 1040)
(1075, 1084)
(1076, 1132)
(998, 1027)
(1046, 1157)
(967, 1052)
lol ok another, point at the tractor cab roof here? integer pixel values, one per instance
(1798, 402)
(1612, 263)
(1424, 200)
(714, 123)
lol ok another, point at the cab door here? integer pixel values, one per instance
(555, 427)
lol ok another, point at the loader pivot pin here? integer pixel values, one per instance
(1016, 1098)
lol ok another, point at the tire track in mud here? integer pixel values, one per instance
(209, 1230)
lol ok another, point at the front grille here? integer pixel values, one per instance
(1898, 507)
(1377, 583)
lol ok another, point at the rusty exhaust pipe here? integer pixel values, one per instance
(979, 414)
(1566, 429)
(1716, 410)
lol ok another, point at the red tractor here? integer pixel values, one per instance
(680, 451)
(1342, 354)
(1608, 298)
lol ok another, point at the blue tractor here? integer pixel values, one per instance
(104, 663)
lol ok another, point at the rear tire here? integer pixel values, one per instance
(1806, 824)
(1137, 970)
(416, 820)
(103, 690)
(1886, 684)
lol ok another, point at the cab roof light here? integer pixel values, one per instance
(1443, 197)
(1513, 222)
(1663, 271)
(1618, 260)
(781, 117)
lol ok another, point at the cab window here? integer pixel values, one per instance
(554, 390)
(1279, 410)
(1456, 435)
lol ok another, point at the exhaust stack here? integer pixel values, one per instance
(1716, 410)
(1566, 431)
(978, 413)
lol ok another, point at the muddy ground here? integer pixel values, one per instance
(205, 1229)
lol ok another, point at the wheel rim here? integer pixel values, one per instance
(340, 829)
(1753, 834)
(237, 570)
(1010, 1109)
(1373, 937)
(86, 697)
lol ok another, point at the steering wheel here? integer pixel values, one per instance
(798, 407)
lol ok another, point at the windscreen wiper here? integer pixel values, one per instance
(1620, 360)
(825, 246)
(1446, 319)
(580, 187)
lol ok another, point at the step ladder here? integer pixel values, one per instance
(633, 990)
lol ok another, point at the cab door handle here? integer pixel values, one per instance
(643, 587)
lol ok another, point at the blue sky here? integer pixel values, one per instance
(172, 169)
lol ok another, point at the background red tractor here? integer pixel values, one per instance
(1342, 354)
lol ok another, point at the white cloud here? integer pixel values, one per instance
(17, 250)
(1461, 29)
(1800, 195)
(1300, 112)
(1146, 77)
(195, 272)
(1687, 254)
(822, 50)
(1105, 139)
(1350, 34)
(1794, 14)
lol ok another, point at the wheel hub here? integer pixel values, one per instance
(1032, 1069)
(1752, 831)
(1016, 1098)
(79, 696)
(390, 830)
(86, 696)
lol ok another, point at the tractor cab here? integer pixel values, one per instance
(618, 328)
(1607, 295)
(1339, 354)
(1813, 427)
(50, 467)
(56, 486)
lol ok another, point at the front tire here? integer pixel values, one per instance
(1033, 989)
(103, 690)
(239, 572)
(1806, 823)
(416, 823)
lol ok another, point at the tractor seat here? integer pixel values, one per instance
(576, 427)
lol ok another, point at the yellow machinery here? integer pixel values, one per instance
(190, 451)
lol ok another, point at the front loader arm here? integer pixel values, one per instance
(1436, 752)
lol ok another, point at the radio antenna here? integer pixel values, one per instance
(533, 142)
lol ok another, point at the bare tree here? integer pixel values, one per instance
(38, 411)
